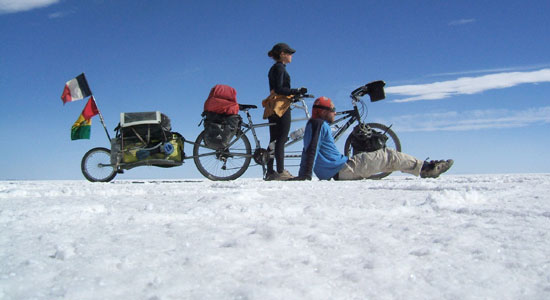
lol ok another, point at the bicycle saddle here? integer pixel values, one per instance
(246, 106)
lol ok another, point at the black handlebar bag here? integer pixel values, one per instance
(375, 90)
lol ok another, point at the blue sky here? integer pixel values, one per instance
(467, 80)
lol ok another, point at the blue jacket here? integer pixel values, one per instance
(320, 154)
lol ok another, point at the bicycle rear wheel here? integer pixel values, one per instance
(96, 165)
(223, 164)
(392, 142)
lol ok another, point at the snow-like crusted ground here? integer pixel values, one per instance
(456, 237)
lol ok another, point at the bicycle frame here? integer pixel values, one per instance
(232, 161)
(351, 115)
(250, 126)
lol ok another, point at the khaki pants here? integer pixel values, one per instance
(365, 164)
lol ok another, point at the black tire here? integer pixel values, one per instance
(392, 142)
(96, 165)
(225, 164)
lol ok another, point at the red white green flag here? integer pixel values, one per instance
(82, 127)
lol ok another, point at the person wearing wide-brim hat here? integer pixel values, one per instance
(277, 109)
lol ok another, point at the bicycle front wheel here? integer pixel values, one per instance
(223, 164)
(96, 165)
(392, 142)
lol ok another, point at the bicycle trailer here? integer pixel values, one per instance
(145, 138)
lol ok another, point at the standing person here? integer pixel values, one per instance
(277, 108)
(321, 156)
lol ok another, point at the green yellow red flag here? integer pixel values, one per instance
(82, 127)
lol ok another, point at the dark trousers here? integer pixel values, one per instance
(279, 133)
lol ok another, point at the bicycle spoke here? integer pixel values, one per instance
(96, 165)
(392, 142)
(223, 164)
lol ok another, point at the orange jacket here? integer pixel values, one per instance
(276, 104)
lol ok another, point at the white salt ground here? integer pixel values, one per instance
(456, 237)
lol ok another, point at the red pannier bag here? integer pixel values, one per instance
(221, 117)
(222, 100)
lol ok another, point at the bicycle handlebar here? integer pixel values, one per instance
(360, 91)
(302, 96)
(374, 89)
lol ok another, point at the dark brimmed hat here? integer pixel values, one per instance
(282, 47)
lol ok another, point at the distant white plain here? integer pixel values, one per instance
(456, 237)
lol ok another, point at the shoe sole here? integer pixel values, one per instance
(441, 170)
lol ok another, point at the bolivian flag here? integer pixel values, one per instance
(81, 128)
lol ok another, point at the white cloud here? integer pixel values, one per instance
(461, 22)
(60, 14)
(467, 85)
(494, 70)
(470, 120)
(13, 6)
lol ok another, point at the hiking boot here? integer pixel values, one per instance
(284, 175)
(271, 175)
(435, 168)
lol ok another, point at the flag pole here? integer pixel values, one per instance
(100, 115)
(102, 121)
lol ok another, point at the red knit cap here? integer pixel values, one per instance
(321, 101)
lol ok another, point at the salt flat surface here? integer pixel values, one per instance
(456, 237)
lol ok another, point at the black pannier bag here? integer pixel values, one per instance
(219, 129)
(366, 139)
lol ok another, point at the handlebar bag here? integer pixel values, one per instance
(375, 90)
